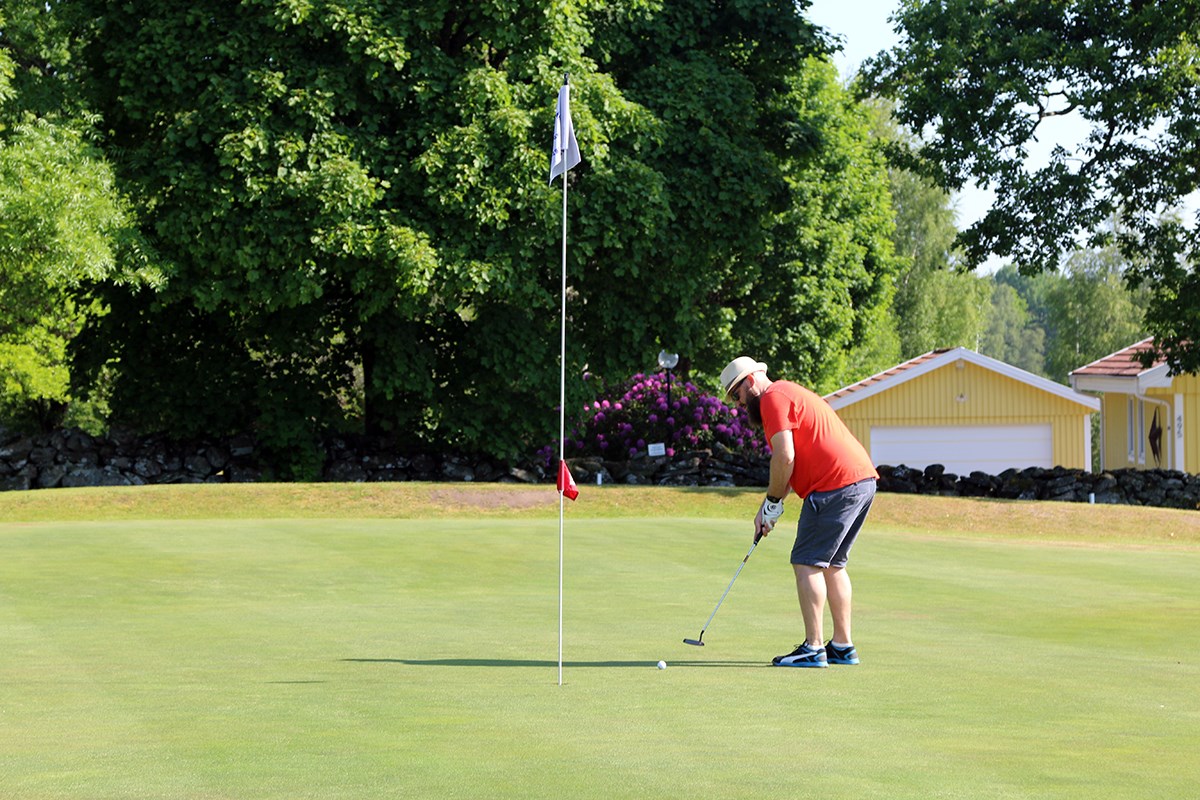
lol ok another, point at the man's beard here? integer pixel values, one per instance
(754, 411)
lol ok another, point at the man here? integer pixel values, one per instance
(816, 456)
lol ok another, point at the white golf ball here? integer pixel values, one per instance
(662, 665)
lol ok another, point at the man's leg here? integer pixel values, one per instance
(838, 589)
(810, 586)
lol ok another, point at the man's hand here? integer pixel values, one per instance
(768, 515)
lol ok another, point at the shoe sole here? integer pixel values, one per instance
(810, 665)
(843, 661)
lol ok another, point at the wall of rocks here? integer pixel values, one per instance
(1157, 487)
(72, 458)
(68, 458)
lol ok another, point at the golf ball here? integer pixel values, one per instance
(662, 665)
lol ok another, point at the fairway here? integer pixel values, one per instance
(416, 656)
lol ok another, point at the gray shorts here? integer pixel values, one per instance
(829, 524)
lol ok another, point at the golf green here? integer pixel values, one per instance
(366, 657)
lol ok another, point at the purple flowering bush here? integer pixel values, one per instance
(624, 421)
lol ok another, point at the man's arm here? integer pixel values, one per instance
(783, 458)
(783, 461)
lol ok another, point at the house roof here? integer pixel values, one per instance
(881, 377)
(1122, 371)
(1123, 363)
(935, 359)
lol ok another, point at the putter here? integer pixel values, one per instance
(699, 642)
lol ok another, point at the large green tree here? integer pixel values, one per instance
(817, 300)
(985, 79)
(63, 224)
(351, 205)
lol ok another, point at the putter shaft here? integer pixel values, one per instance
(700, 642)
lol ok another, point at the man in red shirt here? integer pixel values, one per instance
(816, 456)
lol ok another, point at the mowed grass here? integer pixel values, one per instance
(401, 641)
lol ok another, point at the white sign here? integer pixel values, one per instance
(658, 449)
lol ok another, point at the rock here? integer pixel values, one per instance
(345, 472)
(50, 477)
(455, 470)
(15, 483)
(94, 476)
(522, 475)
(16, 449)
(241, 446)
(197, 466)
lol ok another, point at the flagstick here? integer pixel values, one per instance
(562, 408)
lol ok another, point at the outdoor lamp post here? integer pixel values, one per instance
(668, 361)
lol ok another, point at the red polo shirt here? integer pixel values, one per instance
(828, 456)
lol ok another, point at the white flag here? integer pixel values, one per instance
(566, 150)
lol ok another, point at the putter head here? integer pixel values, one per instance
(695, 642)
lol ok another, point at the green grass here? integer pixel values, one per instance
(177, 647)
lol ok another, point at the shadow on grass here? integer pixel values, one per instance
(503, 662)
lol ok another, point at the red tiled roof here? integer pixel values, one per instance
(886, 374)
(1123, 363)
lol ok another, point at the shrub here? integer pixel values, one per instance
(623, 422)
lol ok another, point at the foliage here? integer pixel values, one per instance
(939, 304)
(936, 304)
(348, 206)
(1091, 313)
(622, 421)
(345, 189)
(1055, 322)
(63, 226)
(826, 278)
(1012, 336)
(985, 80)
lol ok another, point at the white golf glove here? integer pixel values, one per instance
(767, 516)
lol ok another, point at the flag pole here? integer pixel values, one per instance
(562, 408)
(563, 156)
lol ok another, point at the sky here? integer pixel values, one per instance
(864, 30)
(861, 24)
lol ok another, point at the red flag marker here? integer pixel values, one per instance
(566, 484)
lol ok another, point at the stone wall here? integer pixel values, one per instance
(716, 467)
(1155, 487)
(73, 458)
(69, 458)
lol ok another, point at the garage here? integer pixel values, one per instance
(963, 449)
(969, 413)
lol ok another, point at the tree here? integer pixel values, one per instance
(771, 236)
(986, 79)
(63, 226)
(346, 191)
(820, 296)
(1091, 313)
(936, 304)
(1012, 335)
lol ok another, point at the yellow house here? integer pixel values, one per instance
(967, 412)
(1144, 411)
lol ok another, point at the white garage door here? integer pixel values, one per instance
(964, 448)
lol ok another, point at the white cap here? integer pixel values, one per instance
(737, 369)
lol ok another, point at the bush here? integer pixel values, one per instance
(622, 423)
